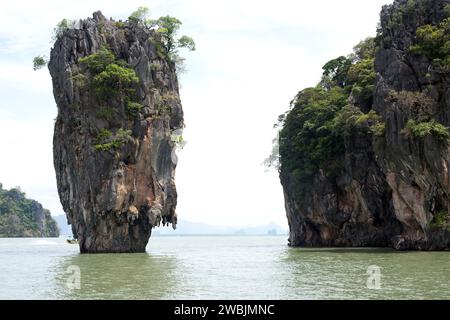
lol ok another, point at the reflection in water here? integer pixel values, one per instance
(118, 276)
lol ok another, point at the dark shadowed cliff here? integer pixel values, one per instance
(364, 156)
(114, 139)
(22, 217)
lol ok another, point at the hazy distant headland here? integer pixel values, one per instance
(187, 228)
(23, 217)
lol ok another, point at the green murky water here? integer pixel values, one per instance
(218, 268)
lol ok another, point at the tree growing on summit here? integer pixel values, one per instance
(335, 72)
(41, 61)
(168, 27)
(60, 28)
(141, 14)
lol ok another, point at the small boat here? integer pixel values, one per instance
(72, 241)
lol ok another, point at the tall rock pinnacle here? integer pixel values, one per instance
(118, 113)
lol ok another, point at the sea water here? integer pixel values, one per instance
(219, 267)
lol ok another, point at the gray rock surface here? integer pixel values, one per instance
(113, 198)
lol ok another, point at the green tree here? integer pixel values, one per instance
(308, 140)
(140, 15)
(335, 72)
(114, 80)
(60, 28)
(434, 43)
(168, 28)
(39, 62)
(365, 49)
(186, 42)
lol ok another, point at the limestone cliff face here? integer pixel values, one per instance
(113, 140)
(394, 189)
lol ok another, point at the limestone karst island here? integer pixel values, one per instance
(116, 90)
(364, 155)
(133, 145)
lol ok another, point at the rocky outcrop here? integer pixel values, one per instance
(22, 217)
(118, 113)
(393, 190)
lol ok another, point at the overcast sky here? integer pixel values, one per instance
(252, 57)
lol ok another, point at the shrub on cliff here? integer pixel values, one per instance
(106, 140)
(115, 81)
(427, 128)
(39, 62)
(434, 43)
(98, 61)
(112, 78)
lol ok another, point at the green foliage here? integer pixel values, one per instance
(112, 77)
(39, 62)
(372, 116)
(186, 42)
(434, 43)
(440, 219)
(428, 128)
(105, 113)
(140, 15)
(378, 129)
(308, 140)
(314, 131)
(132, 109)
(97, 62)
(80, 80)
(167, 27)
(361, 77)
(119, 24)
(20, 217)
(107, 141)
(60, 28)
(365, 49)
(335, 72)
(114, 80)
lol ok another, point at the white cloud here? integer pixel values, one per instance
(252, 58)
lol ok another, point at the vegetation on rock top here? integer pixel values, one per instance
(313, 133)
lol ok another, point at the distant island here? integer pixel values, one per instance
(23, 217)
(185, 228)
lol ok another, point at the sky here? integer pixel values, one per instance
(252, 57)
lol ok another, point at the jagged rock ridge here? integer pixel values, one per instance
(393, 189)
(118, 109)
